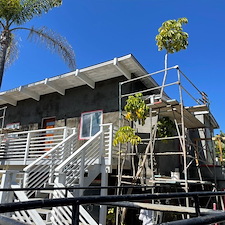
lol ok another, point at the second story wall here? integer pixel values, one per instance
(65, 108)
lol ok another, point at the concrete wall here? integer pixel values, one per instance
(68, 108)
(206, 147)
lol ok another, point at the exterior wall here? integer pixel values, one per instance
(68, 108)
(206, 134)
(168, 163)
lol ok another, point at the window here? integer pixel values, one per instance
(90, 124)
(13, 126)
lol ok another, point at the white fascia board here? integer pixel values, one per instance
(85, 79)
(8, 100)
(29, 93)
(54, 86)
(201, 113)
(121, 68)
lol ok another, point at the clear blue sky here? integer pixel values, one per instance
(100, 30)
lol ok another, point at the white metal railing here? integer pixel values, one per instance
(63, 214)
(41, 171)
(29, 216)
(8, 180)
(108, 153)
(71, 171)
(29, 145)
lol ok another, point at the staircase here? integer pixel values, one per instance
(67, 165)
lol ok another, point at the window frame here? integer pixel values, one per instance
(91, 127)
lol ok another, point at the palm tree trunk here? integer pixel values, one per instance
(4, 44)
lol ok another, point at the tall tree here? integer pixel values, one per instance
(13, 15)
(171, 37)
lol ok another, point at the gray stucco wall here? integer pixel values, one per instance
(68, 108)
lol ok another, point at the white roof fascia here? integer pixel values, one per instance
(8, 100)
(121, 68)
(96, 66)
(211, 118)
(85, 79)
(29, 93)
(201, 112)
(54, 86)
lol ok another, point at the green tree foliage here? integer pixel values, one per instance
(220, 144)
(171, 36)
(13, 15)
(126, 134)
(136, 109)
(165, 127)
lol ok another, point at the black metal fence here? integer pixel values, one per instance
(116, 200)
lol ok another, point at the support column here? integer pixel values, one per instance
(8, 178)
(104, 192)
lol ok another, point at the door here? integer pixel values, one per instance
(48, 123)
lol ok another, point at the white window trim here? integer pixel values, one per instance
(81, 123)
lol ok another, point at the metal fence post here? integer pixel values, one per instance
(75, 214)
(197, 207)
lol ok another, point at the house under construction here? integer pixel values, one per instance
(58, 132)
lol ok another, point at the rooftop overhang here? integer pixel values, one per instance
(211, 118)
(122, 66)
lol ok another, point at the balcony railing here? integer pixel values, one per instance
(25, 147)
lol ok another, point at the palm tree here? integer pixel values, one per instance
(13, 15)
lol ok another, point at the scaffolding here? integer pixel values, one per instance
(185, 116)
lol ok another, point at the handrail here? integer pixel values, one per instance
(201, 98)
(48, 153)
(108, 130)
(78, 151)
(27, 146)
(42, 171)
(71, 172)
(84, 146)
(60, 202)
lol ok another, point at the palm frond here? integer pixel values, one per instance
(9, 9)
(54, 42)
(12, 51)
(32, 8)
